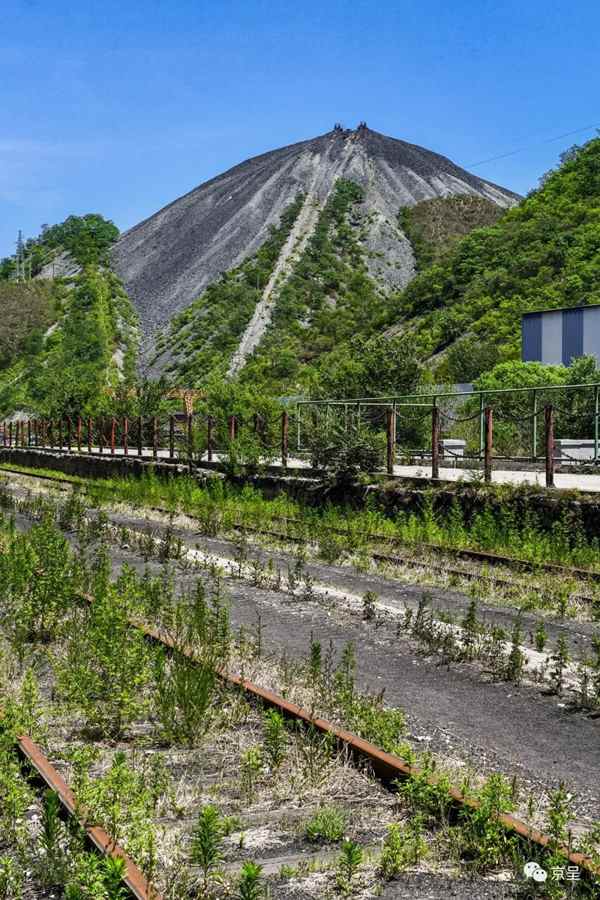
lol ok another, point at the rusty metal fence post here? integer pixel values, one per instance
(390, 440)
(435, 442)
(90, 433)
(125, 436)
(79, 434)
(29, 432)
(154, 437)
(209, 438)
(171, 437)
(232, 428)
(140, 435)
(489, 443)
(190, 442)
(113, 423)
(69, 433)
(60, 434)
(285, 428)
(549, 422)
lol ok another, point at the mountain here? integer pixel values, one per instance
(168, 260)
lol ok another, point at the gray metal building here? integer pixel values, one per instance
(556, 336)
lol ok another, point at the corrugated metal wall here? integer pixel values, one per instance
(559, 336)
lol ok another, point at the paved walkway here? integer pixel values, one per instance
(564, 480)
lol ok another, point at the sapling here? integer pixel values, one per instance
(488, 840)
(596, 668)
(369, 605)
(516, 659)
(315, 660)
(12, 876)
(349, 862)
(274, 744)
(114, 870)
(308, 592)
(558, 814)
(207, 840)
(583, 684)
(559, 661)
(250, 769)
(403, 845)
(250, 885)
(50, 839)
(470, 625)
(540, 637)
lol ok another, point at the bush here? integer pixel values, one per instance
(344, 450)
(328, 824)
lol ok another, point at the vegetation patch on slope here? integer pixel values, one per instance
(85, 238)
(91, 351)
(28, 309)
(202, 339)
(544, 253)
(434, 227)
(325, 333)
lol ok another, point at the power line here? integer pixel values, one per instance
(537, 144)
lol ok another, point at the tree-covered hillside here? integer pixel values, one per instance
(75, 366)
(434, 226)
(463, 313)
(66, 344)
(85, 238)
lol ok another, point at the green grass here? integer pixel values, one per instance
(220, 507)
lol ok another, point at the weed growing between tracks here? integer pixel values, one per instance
(499, 654)
(338, 530)
(151, 785)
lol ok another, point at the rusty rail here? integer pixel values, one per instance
(386, 766)
(482, 556)
(133, 878)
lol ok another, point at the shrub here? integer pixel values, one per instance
(328, 824)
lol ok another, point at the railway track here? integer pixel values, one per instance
(468, 555)
(475, 556)
(46, 775)
(387, 767)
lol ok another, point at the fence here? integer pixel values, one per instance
(470, 429)
(190, 439)
(474, 430)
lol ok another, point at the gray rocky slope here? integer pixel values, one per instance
(167, 260)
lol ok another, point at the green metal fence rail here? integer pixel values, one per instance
(431, 400)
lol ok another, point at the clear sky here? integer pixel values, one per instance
(120, 106)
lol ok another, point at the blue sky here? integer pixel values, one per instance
(120, 107)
